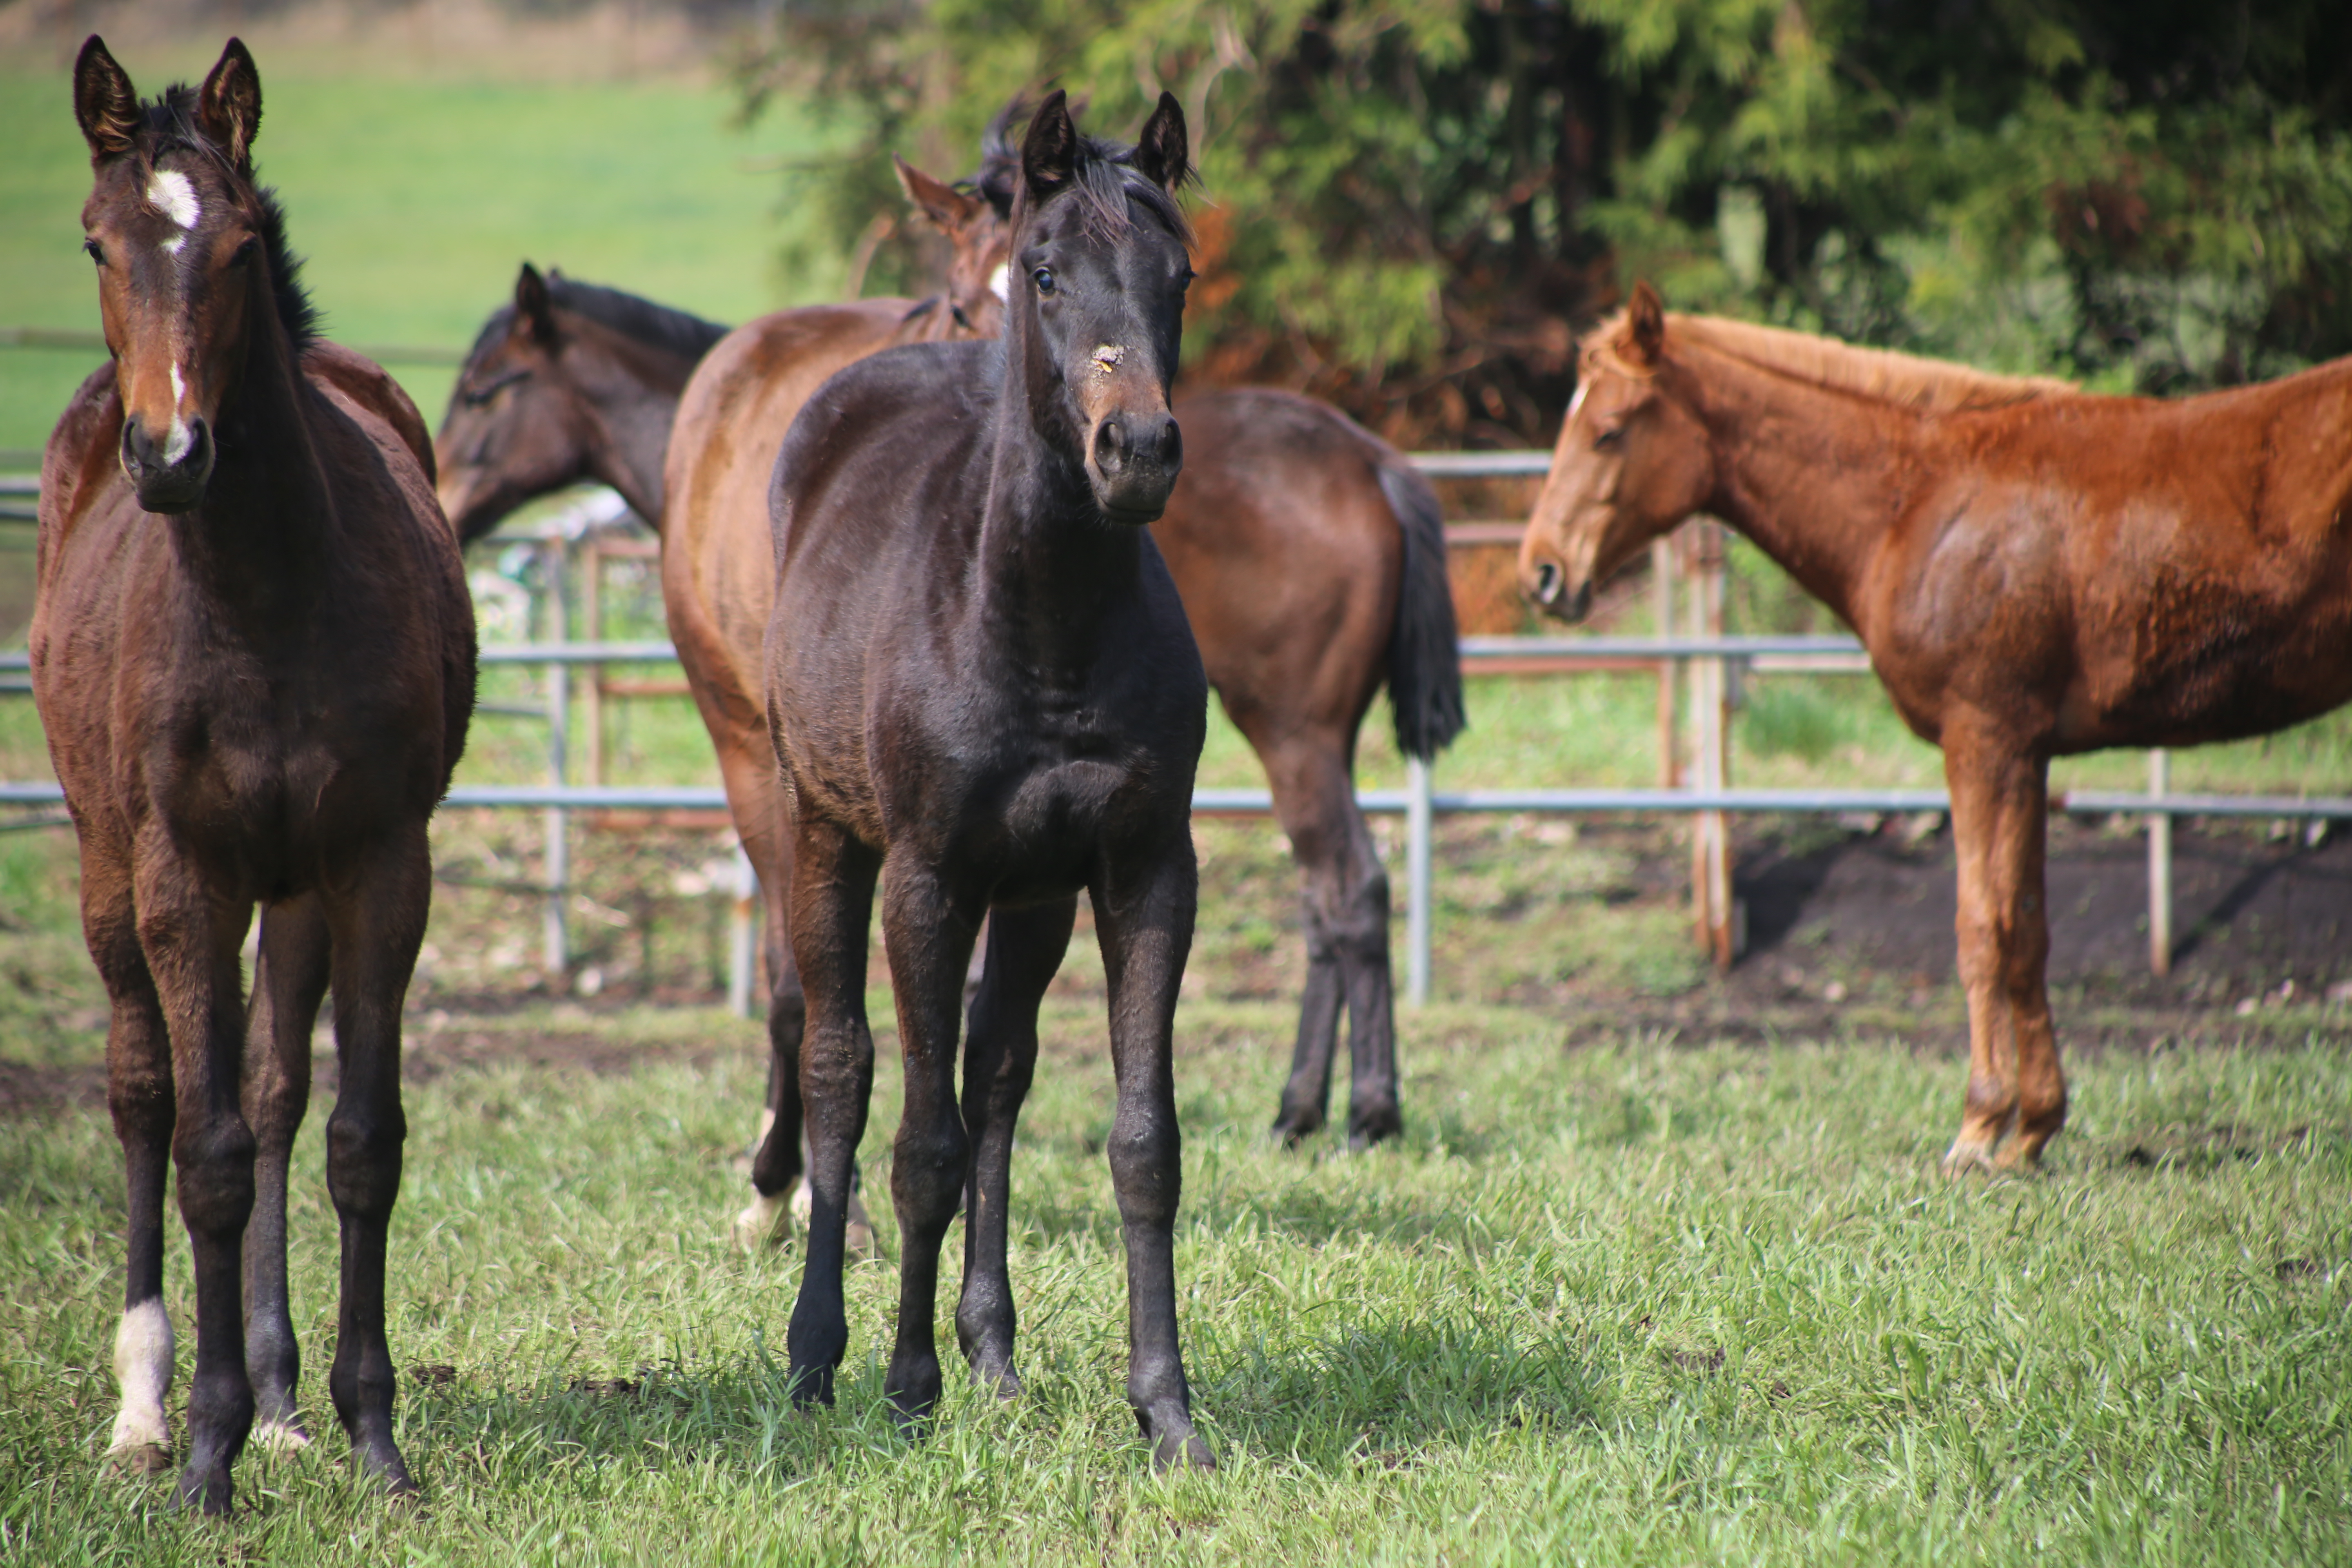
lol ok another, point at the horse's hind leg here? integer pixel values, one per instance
(139, 1095)
(1344, 897)
(929, 934)
(375, 928)
(780, 1193)
(832, 899)
(288, 983)
(2000, 806)
(1024, 949)
(1143, 915)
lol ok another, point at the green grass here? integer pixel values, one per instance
(1637, 1304)
(414, 199)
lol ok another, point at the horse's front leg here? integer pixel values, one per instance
(928, 932)
(375, 920)
(139, 1093)
(288, 984)
(832, 901)
(190, 938)
(2000, 827)
(1026, 948)
(1144, 905)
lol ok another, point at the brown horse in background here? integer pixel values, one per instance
(254, 659)
(2036, 571)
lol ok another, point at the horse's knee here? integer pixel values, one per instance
(215, 1161)
(363, 1157)
(1145, 1171)
(927, 1173)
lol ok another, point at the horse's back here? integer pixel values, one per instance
(717, 573)
(1282, 543)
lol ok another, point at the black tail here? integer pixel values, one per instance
(1425, 651)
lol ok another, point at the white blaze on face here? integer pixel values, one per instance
(142, 1367)
(171, 193)
(1107, 357)
(1577, 402)
(176, 443)
(996, 282)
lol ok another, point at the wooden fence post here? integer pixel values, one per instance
(2159, 867)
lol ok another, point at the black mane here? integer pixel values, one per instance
(167, 125)
(633, 317)
(1107, 177)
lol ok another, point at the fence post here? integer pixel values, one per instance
(743, 944)
(1416, 874)
(1711, 769)
(2159, 867)
(557, 956)
(1661, 617)
(591, 692)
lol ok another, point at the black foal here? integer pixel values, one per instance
(983, 693)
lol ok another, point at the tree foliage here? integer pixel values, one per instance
(1409, 202)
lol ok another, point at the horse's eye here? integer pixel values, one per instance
(960, 319)
(245, 252)
(1044, 278)
(95, 251)
(1608, 438)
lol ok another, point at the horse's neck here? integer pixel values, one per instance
(261, 543)
(633, 410)
(1811, 476)
(1052, 569)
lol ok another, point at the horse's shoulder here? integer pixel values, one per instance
(80, 455)
(351, 378)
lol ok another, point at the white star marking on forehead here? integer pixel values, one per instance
(1578, 401)
(171, 193)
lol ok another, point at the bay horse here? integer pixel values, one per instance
(983, 694)
(2036, 571)
(253, 654)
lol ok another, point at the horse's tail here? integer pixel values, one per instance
(1425, 649)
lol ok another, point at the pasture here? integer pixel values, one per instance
(1660, 1270)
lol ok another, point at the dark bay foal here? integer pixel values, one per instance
(983, 694)
(254, 659)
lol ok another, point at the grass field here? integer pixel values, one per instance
(1656, 1302)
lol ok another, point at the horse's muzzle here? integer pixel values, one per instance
(1547, 588)
(167, 480)
(1133, 462)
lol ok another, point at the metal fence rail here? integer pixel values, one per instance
(1419, 802)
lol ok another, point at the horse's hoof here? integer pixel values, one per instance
(1187, 1452)
(999, 1379)
(210, 1492)
(1966, 1159)
(1290, 1133)
(140, 1460)
(285, 1436)
(764, 1222)
(2019, 1156)
(1366, 1132)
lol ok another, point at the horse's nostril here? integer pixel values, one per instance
(1546, 583)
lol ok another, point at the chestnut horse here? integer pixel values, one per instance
(254, 659)
(2036, 571)
(984, 695)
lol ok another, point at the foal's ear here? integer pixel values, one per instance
(1049, 153)
(228, 109)
(534, 304)
(1164, 151)
(948, 208)
(104, 101)
(1645, 323)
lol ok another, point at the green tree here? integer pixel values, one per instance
(1408, 203)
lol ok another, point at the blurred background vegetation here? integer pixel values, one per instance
(1409, 202)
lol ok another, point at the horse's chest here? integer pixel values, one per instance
(276, 776)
